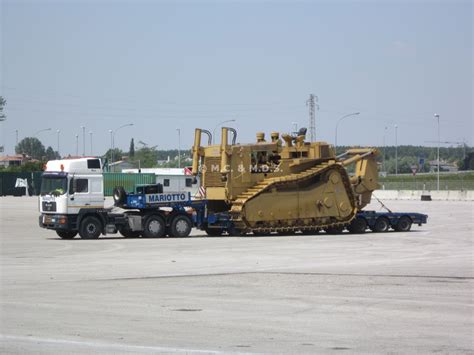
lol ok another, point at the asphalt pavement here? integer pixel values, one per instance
(369, 293)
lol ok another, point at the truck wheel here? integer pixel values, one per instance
(381, 225)
(214, 232)
(91, 228)
(358, 226)
(127, 233)
(154, 227)
(180, 226)
(403, 225)
(66, 234)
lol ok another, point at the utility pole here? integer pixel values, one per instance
(396, 150)
(312, 103)
(437, 179)
(179, 147)
(57, 132)
(77, 145)
(83, 141)
(90, 133)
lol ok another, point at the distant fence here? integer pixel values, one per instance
(430, 185)
(9, 182)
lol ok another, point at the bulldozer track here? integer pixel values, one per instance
(238, 205)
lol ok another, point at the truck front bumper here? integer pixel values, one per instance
(55, 221)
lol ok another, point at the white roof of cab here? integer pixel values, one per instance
(72, 166)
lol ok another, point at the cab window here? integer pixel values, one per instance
(82, 185)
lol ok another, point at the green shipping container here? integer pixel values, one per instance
(8, 182)
(127, 181)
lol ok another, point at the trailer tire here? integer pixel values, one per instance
(90, 228)
(334, 230)
(403, 224)
(181, 226)
(66, 234)
(382, 224)
(154, 227)
(358, 226)
(127, 233)
(214, 232)
(120, 196)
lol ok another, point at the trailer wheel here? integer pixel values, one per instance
(358, 226)
(382, 224)
(154, 227)
(181, 226)
(91, 228)
(66, 234)
(403, 224)
(310, 231)
(334, 230)
(214, 232)
(120, 196)
(127, 233)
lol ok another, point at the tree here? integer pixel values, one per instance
(31, 146)
(51, 154)
(117, 155)
(147, 156)
(3, 102)
(131, 152)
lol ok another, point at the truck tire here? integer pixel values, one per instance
(120, 196)
(382, 224)
(181, 226)
(127, 233)
(358, 226)
(90, 228)
(66, 234)
(154, 227)
(403, 224)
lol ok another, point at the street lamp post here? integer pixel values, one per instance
(41, 130)
(16, 133)
(90, 134)
(83, 141)
(437, 179)
(57, 133)
(77, 145)
(219, 124)
(337, 125)
(179, 147)
(112, 139)
(383, 157)
(396, 149)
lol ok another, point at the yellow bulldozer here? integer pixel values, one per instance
(284, 184)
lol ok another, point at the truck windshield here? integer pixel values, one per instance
(53, 185)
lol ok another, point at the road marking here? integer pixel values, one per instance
(112, 346)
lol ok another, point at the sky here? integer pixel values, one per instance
(164, 66)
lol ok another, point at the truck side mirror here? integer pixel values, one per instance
(194, 181)
(72, 186)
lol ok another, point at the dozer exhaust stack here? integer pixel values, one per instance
(197, 147)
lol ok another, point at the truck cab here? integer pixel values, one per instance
(70, 190)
